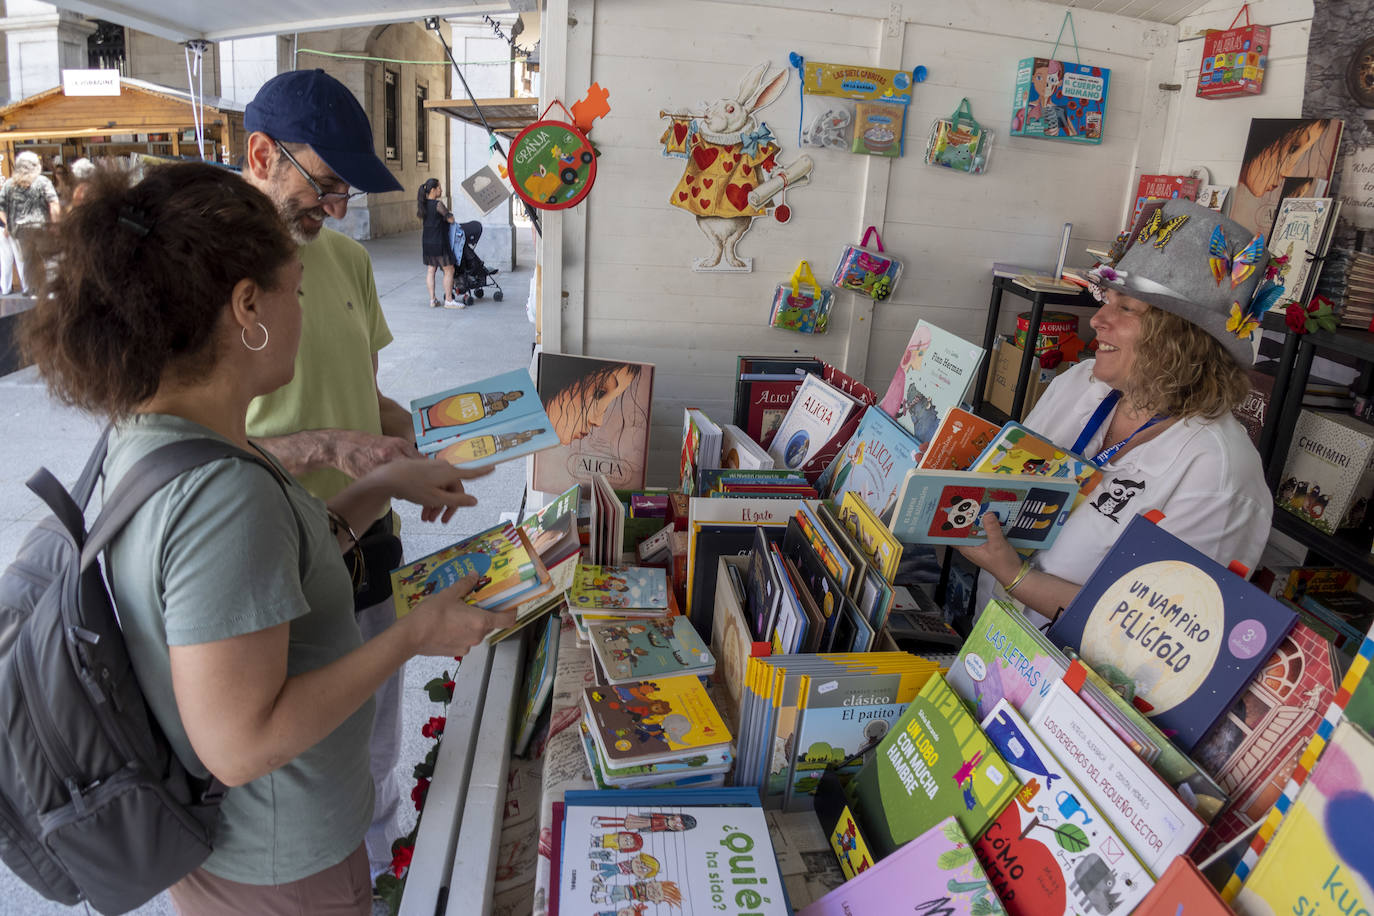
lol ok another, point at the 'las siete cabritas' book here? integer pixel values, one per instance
(1017, 450)
(936, 873)
(653, 721)
(619, 588)
(502, 554)
(947, 507)
(1319, 860)
(873, 463)
(1004, 658)
(1151, 819)
(817, 415)
(1188, 633)
(1253, 749)
(935, 762)
(1183, 889)
(538, 683)
(689, 852)
(934, 374)
(960, 439)
(483, 422)
(637, 649)
(1051, 851)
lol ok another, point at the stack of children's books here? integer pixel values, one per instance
(511, 571)
(610, 594)
(655, 732)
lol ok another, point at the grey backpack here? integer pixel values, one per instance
(94, 804)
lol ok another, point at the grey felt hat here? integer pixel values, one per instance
(1183, 259)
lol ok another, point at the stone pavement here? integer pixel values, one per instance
(433, 349)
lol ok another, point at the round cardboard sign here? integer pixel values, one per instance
(552, 166)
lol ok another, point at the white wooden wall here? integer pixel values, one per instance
(617, 277)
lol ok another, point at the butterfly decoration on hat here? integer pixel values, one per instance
(1244, 320)
(1162, 231)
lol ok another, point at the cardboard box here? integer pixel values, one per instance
(1233, 62)
(1004, 366)
(1059, 100)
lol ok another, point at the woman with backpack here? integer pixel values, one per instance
(174, 306)
(28, 203)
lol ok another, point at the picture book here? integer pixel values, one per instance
(1330, 468)
(1254, 748)
(935, 762)
(1151, 819)
(653, 721)
(552, 530)
(764, 389)
(1276, 150)
(502, 440)
(872, 534)
(934, 374)
(1004, 658)
(1051, 851)
(720, 527)
(874, 595)
(873, 463)
(793, 628)
(959, 439)
(945, 507)
(732, 642)
(701, 440)
(636, 649)
(696, 771)
(599, 409)
(1163, 187)
(1319, 860)
(476, 407)
(1184, 630)
(1301, 233)
(814, 579)
(739, 450)
(686, 851)
(538, 684)
(935, 873)
(606, 525)
(1183, 889)
(816, 416)
(826, 545)
(502, 554)
(618, 587)
(730, 481)
(1017, 450)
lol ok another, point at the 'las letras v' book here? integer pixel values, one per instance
(1051, 852)
(936, 874)
(935, 762)
(483, 422)
(1187, 632)
(947, 507)
(1321, 861)
(688, 852)
(1003, 659)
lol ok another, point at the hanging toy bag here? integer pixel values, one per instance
(870, 271)
(959, 142)
(796, 308)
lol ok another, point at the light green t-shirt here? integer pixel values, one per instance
(342, 326)
(215, 554)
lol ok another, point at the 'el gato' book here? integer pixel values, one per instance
(873, 463)
(934, 374)
(1330, 468)
(618, 587)
(816, 416)
(947, 507)
(689, 852)
(1186, 632)
(635, 649)
(653, 721)
(1051, 851)
(1153, 821)
(934, 763)
(1319, 862)
(502, 554)
(936, 874)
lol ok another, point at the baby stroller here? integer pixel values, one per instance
(471, 276)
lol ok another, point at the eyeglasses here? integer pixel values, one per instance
(324, 197)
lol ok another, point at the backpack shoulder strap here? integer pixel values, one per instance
(151, 473)
(69, 507)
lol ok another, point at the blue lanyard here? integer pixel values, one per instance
(1095, 423)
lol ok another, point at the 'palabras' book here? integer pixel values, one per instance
(873, 463)
(947, 507)
(1051, 852)
(689, 852)
(936, 874)
(636, 649)
(616, 587)
(934, 374)
(1319, 862)
(1188, 633)
(653, 721)
(934, 763)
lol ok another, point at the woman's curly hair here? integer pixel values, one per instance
(1182, 371)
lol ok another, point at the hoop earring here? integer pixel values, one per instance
(243, 335)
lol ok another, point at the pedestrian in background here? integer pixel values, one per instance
(28, 203)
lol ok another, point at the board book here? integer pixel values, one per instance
(618, 588)
(502, 554)
(538, 684)
(946, 507)
(960, 438)
(1017, 450)
(653, 721)
(873, 463)
(633, 650)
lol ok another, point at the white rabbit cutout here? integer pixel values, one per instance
(732, 173)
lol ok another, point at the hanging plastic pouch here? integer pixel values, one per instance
(959, 142)
(796, 308)
(872, 272)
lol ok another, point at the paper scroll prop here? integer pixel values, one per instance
(732, 174)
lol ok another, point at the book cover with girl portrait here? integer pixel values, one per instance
(599, 409)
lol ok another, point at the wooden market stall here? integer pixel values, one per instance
(143, 118)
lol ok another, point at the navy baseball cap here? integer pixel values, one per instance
(310, 106)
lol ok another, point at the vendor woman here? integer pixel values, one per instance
(1153, 410)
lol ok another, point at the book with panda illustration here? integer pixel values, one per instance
(947, 507)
